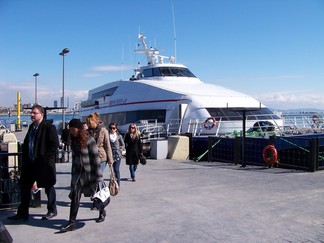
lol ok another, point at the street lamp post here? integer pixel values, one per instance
(63, 53)
(36, 75)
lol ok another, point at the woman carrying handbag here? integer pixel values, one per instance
(117, 146)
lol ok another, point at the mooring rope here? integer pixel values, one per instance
(300, 147)
(199, 157)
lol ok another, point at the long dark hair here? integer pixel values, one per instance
(80, 141)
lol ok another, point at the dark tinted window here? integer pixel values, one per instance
(168, 71)
(148, 72)
(231, 115)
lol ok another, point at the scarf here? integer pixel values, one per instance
(113, 137)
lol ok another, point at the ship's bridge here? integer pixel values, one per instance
(165, 71)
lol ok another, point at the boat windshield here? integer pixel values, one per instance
(229, 115)
(168, 71)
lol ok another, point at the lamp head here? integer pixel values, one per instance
(64, 51)
(36, 74)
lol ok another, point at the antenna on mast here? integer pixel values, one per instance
(123, 63)
(174, 36)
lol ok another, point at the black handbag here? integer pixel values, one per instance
(102, 197)
(142, 159)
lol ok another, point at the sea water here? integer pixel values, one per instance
(25, 119)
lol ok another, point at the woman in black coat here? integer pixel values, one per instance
(133, 149)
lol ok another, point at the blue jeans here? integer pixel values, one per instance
(102, 167)
(132, 170)
(116, 166)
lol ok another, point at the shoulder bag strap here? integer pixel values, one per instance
(112, 175)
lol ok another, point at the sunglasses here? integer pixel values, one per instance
(132, 127)
(113, 128)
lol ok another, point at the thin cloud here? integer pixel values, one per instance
(292, 99)
(91, 75)
(110, 68)
(262, 78)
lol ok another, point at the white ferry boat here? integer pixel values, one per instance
(165, 97)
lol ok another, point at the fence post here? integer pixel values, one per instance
(237, 150)
(210, 148)
(313, 165)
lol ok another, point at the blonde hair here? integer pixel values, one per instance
(133, 134)
(94, 117)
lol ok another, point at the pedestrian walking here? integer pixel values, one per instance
(133, 149)
(117, 146)
(38, 163)
(85, 172)
(99, 132)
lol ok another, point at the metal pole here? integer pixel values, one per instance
(36, 75)
(63, 53)
(63, 109)
(243, 140)
(36, 90)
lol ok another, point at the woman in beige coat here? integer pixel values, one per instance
(100, 133)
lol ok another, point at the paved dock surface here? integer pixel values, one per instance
(185, 201)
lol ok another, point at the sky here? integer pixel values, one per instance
(272, 50)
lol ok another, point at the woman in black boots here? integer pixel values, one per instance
(85, 173)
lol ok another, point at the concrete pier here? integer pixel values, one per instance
(185, 201)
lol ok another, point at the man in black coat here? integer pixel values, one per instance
(38, 164)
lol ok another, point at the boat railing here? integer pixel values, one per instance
(151, 129)
(286, 125)
(302, 123)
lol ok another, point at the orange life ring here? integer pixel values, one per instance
(270, 155)
(210, 123)
(316, 119)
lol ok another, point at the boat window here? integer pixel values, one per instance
(186, 72)
(176, 71)
(148, 72)
(165, 71)
(122, 118)
(103, 93)
(156, 72)
(230, 115)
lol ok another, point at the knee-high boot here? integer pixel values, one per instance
(102, 216)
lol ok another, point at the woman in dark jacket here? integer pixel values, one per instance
(117, 146)
(133, 149)
(86, 171)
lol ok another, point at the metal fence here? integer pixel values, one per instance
(296, 152)
(9, 179)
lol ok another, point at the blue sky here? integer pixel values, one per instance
(272, 50)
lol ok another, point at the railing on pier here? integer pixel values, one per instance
(9, 179)
(295, 152)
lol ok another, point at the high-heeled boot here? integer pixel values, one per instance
(102, 216)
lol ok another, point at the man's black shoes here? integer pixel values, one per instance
(69, 227)
(49, 216)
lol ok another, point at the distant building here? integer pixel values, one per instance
(55, 103)
(77, 105)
